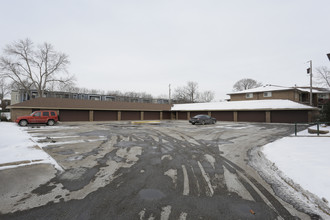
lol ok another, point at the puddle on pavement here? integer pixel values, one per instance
(66, 152)
(77, 157)
(151, 194)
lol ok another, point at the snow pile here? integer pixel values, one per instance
(305, 160)
(18, 149)
(276, 104)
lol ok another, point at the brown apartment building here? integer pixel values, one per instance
(298, 94)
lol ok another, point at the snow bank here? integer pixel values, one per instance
(18, 149)
(305, 160)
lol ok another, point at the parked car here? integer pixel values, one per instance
(38, 117)
(202, 119)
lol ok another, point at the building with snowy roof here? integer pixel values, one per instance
(298, 94)
(270, 111)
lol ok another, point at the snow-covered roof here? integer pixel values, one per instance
(270, 88)
(315, 91)
(275, 104)
(266, 88)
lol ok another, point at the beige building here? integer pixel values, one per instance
(297, 94)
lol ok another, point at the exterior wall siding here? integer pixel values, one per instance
(14, 113)
(290, 95)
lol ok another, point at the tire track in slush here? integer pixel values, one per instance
(250, 186)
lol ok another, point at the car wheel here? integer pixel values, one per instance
(193, 123)
(23, 122)
(50, 122)
(213, 122)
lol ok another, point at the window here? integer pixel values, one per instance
(323, 96)
(38, 114)
(249, 95)
(97, 98)
(267, 94)
(52, 113)
(45, 114)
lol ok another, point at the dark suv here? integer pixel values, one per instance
(202, 119)
(38, 117)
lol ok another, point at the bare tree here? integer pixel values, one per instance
(323, 76)
(245, 84)
(114, 93)
(190, 93)
(31, 67)
(4, 90)
(206, 96)
(180, 95)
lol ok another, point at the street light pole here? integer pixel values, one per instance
(169, 94)
(310, 71)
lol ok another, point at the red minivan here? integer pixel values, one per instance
(48, 117)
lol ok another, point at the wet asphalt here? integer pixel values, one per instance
(171, 170)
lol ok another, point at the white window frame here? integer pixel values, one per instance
(249, 95)
(323, 96)
(268, 94)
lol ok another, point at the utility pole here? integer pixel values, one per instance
(169, 94)
(310, 72)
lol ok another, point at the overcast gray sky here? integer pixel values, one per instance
(145, 45)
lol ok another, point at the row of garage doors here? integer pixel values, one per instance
(84, 115)
(284, 116)
(288, 116)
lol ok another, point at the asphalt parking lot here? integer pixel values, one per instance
(171, 170)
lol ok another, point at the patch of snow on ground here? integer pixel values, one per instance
(18, 149)
(305, 160)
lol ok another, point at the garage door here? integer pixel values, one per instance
(74, 115)
(182, 115)
(223, 116)
(130, 115)
(151, 115)
(251, 116)
(105, 115)
(166, 115)
(289, 116)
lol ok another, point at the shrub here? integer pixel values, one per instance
(3, 118)
(325, 113)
